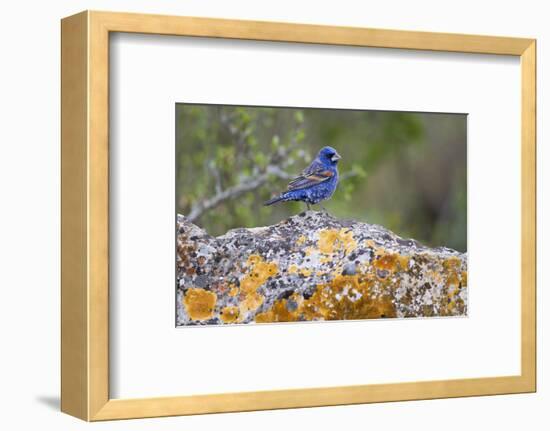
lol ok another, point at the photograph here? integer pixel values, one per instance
(290, 214)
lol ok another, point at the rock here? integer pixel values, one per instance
(313, 266)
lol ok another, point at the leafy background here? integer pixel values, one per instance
(403, 170)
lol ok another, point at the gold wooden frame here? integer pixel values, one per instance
(85, 224)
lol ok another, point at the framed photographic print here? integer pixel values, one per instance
(264, 215)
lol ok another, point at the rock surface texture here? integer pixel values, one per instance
(313, 266)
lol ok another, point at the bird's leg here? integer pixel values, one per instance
(324, 209)
(308, 206)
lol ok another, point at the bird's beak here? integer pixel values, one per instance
(336, 157)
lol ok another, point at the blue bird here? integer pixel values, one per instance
(316, 183)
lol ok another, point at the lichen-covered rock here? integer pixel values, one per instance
(313, 266)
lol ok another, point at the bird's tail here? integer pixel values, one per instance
(274, 200)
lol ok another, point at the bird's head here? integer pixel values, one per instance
(329, 156)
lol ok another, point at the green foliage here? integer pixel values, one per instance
(406, 171)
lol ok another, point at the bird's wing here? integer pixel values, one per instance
(315, 174)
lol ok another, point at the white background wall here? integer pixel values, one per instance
(29, 215)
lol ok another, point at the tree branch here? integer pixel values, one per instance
(246, 185)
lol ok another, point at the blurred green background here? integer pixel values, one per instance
(405, 171)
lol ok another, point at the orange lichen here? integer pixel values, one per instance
(452, 280)
(345, 297)
(296, 297)
(301, 240)
(266, 317)
(251, 302)
(452, 263)
(229, 314)
(332, 241)
(258, 274)
(350, 297)
(436, 276)
(455, 278)
(464, 278)
(278, 313)
(368, 294)
(381, 307)
(309, 251)
(199, 303)
(452, 303)
(292, 269)
(391, 262)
